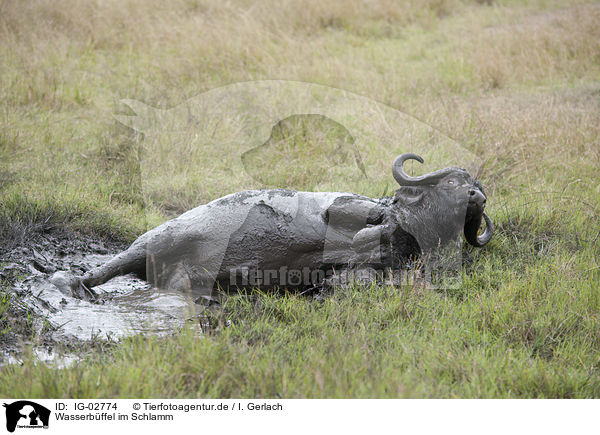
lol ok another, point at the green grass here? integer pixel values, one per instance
(16, 320)
(366, 342)
(516, 83)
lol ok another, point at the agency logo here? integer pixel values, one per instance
(26, 414)
(303, 137)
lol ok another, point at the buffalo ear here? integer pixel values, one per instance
(408, 195)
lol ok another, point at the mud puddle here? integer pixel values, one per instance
(127, 305)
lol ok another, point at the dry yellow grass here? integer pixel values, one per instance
(516, 83)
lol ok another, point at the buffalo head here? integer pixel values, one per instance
(444, 192)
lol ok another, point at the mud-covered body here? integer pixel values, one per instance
(271, 230)
(262, 230)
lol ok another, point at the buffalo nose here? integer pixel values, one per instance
(477, 197)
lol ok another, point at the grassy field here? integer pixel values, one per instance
(517, 83)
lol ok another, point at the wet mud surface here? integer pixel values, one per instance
(126, 304)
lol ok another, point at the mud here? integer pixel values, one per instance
(126, 306)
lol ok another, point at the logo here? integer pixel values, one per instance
(293, 135)
(26, 414)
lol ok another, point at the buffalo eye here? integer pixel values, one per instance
(451, 181)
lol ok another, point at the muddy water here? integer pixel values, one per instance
(126, 305)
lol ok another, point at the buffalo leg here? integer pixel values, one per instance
(132, 260)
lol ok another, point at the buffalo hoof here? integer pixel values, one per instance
(71, 285)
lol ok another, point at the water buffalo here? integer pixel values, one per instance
(287, 238)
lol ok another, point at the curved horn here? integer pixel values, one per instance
(488, 233)
(471, 231)
(405, 180)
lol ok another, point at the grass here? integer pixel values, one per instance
(13, 317)
(396, 344)
(515, 83)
